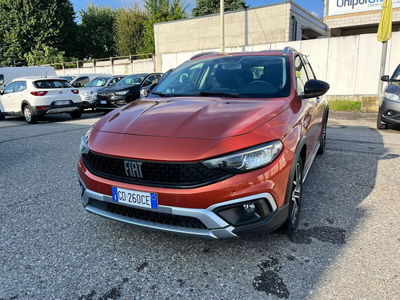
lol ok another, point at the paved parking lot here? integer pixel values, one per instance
(347, 247)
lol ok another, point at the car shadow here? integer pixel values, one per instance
(274, 264)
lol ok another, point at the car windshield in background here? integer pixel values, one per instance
(396, 74)
(51, 84)
(98, 82)
(68, 78)
(131, 80)
(244, 76)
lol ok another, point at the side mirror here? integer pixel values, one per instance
(385, 78)
(314, 88)
(144, 93)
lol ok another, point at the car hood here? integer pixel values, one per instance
(120, 88)
(90, 89)
(203, 118)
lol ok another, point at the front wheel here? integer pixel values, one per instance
(322, 139)
(294, 199)
(380, 124)
(76, 114)
(29, 116)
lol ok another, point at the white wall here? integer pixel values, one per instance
(350, 64)
(121, 67)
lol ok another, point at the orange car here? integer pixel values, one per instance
(220, 147)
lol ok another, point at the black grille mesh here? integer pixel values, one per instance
(150, 216)
(180, 175)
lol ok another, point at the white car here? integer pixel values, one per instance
(36, 97)
(89, 92)
(81, 80)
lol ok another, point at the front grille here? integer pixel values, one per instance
(163, 174)
(104, 96)
(150, 216)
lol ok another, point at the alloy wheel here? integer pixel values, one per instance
(296, 194)
(27, 114)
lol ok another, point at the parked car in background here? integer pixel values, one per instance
(9, 74)
(389, 108)
(80, 80)
(125, 91)
(89, 92)
(36, 97)
(220, 148)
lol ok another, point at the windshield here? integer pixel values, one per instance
(256, 76)
(131, 80)
(97, 82)
(396, 74)
(51, 84)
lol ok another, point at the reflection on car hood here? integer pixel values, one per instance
(120, 88)
(204, 118)
(90, 89)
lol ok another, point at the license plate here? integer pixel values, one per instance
(61, 102)
(103, 102)
(135, 198)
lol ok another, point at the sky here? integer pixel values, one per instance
(314, 6)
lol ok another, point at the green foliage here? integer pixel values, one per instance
(43, 55)
(129, 30)
(160, 11)
(96, 32)
(25, 24)
(344, 105)
(208, 7)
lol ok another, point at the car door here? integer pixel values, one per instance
(309, 106)
(18, 95)
(320, 104)
(7, 98)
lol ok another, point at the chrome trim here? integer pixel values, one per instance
(307, 167)
(61, 110)
(216, 226)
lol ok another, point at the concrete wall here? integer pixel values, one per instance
(350, 64)
(117, 67)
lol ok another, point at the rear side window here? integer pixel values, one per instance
(20, 86)
(51, 84)
(1, 79)
(81, 81)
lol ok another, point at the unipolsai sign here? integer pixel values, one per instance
(339, 7)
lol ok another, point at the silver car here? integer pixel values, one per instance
(89, 92)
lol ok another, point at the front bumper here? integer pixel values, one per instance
(110, 103)
(390, 111)
(214, 226)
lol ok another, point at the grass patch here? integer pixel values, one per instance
(344, 105)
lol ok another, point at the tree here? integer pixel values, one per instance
(43, 55)
(129, 30)
(97, 32)
(25, 24)
(209, 7)
(160, 11)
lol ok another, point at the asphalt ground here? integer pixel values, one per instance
(348, 245)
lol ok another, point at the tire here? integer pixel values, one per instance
(294, 195)
(29, 115)
(76, 114)
(322, 139)
(380, 124)
(2, 117)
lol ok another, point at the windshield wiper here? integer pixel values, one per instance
(222, 94)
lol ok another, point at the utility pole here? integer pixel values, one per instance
(222, 24)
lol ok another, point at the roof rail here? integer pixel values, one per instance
(289, 49)
(203, 54)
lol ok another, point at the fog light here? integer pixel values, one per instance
(244, 213)
(249, 208)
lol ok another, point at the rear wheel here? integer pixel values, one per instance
(76, 114)
(29, 116)
(380, 124)
(294, 198)
(2, 116)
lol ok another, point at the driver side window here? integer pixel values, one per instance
(10, 88)
(301, 75)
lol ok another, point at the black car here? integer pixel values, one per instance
(389, 109)
(125, 91)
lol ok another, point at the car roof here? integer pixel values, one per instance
(34, 78)
(285, 51)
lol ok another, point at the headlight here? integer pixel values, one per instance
(248, 159)
(84, 148)
(391, 96)
(121, 93)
